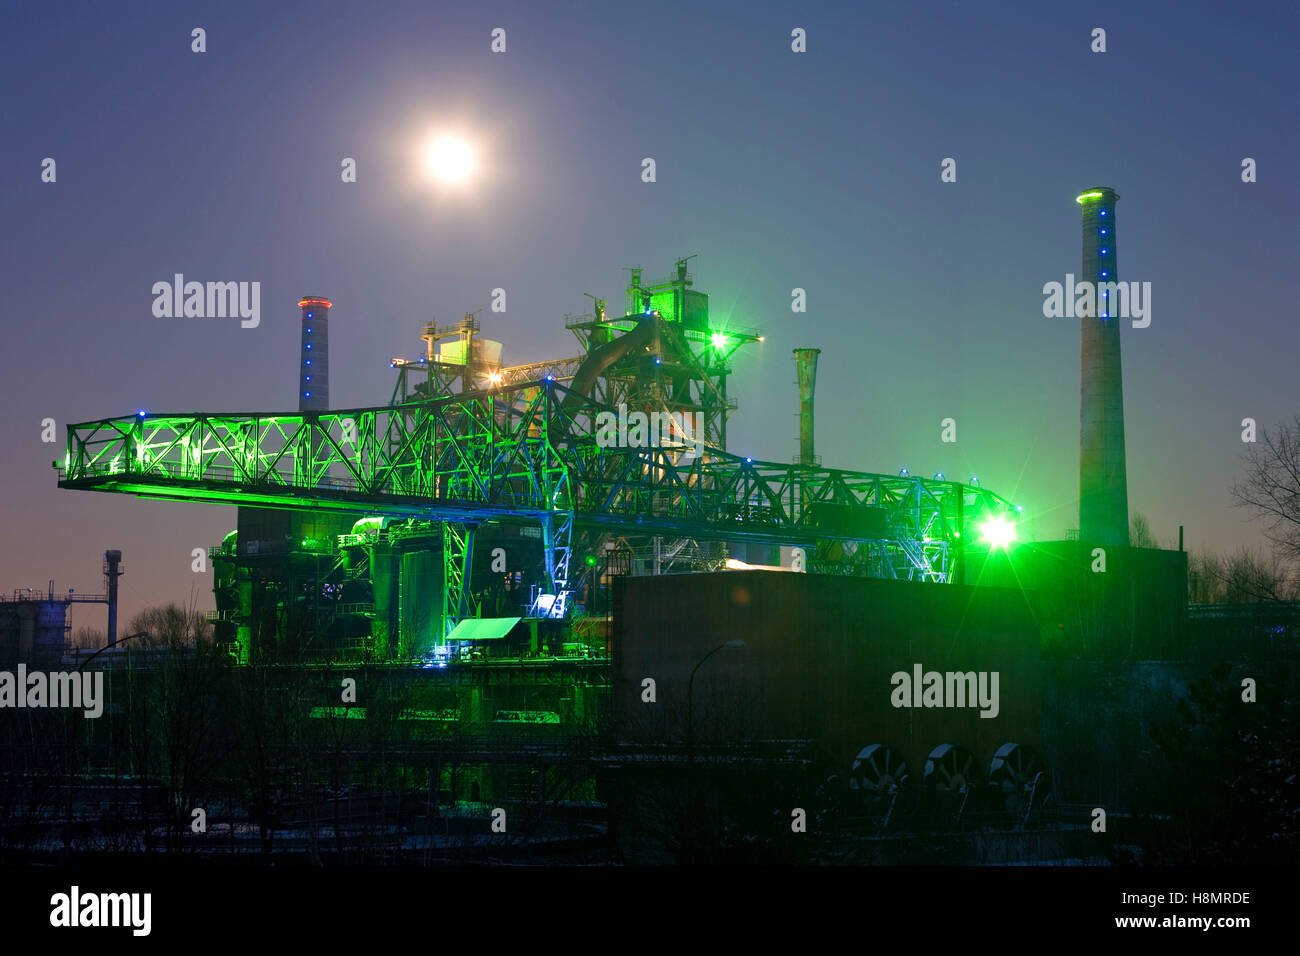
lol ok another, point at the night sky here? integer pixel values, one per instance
(780, 170)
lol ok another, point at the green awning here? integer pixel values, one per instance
(483, 628)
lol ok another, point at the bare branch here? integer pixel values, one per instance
(1271, 487)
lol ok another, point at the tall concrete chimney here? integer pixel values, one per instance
(806, 365)
(1103, 477)
(314, 359)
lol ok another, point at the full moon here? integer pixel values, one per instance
(451, 160)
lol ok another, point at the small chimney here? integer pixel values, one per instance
(806, 365)
(112, 571)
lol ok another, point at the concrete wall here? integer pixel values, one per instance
(818, 659)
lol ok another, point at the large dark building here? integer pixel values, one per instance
(818, 660)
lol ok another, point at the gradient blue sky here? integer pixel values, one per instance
(780, 170)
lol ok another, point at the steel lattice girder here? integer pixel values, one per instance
(522, 452)
(457, 550)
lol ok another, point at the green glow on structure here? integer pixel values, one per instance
(998, 532)
(505, 467)
(1094, 194)
(336, 713)
(665, 303)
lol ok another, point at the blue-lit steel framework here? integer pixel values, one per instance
(528, 453)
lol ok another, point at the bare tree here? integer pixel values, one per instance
(1241, 577)
(171, 626)
(88, 638)
(1271, 487)
(1140, 535)
(1204, 578)
(175, 716)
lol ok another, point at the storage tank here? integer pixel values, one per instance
(486, 352)
(452, 353)
(383, 585)
(50, 632)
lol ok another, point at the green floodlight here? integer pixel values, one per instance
(719, 340)
(591, 560)
(998, 532)
(1091, 194)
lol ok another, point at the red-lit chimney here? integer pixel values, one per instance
(314, 364)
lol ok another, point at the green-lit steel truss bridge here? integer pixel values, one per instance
(530, 453)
